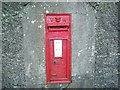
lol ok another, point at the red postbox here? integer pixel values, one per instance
(58, 48)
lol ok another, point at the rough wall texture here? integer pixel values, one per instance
(106, 43)
(94, 44)
(12, 46)
(0, 45)
(119, 43)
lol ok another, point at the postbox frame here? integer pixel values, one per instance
(47, 55)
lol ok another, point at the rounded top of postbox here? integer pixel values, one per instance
(57, 19)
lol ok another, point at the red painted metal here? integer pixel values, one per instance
(58, 63)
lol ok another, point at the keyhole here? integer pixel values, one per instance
(54, 62)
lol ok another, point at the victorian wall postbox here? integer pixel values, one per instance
(58, 48)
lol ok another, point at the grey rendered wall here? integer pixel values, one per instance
(83, 42)
(85, 38)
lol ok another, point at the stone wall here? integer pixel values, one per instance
(106, 43)
(12, 46)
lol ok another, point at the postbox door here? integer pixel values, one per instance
(58, 59)
(58, 48)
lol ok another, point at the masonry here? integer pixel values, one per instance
(94, 44)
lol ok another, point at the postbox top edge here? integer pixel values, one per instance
(56, 14)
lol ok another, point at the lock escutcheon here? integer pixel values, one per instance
(54, 62)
